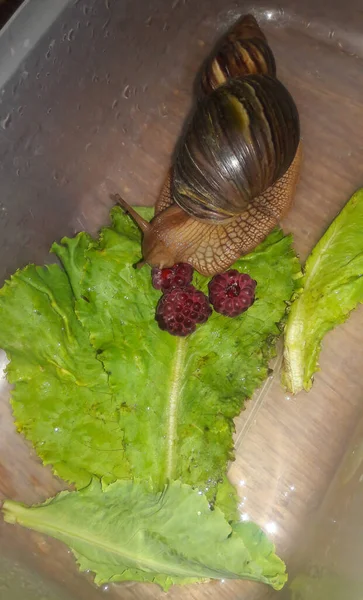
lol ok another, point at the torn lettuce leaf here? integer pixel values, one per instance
(331, 288)
(61, 399)
(100, 390)
(177, 396)
(126, 531)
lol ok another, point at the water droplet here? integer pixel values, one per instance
(55, 176)
(145, 87)
(85, 10)
(20, 110)
(49, 111)
(6, 121)
(37, 76)
(56, 429)
(199, 513)
(127, 92)
(95, 78)
(114, 103)
(71, 35)
(87, 146)
(107, 4)
(288, 397)
(163, 111)
(18, 172)
(148, 21)
(331, 33)
(105, 588)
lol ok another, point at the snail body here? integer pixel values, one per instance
(237, 165)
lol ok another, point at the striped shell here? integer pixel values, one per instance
(242, 138)
(243, 51)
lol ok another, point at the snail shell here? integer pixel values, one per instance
(242, 51)
(242, 139)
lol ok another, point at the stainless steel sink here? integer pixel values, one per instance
(93, 98)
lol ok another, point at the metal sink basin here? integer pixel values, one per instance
(93, 97)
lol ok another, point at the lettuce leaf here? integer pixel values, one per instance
(100, 390)
(177, 396)
(61, 400)
(331, 288)
(126, 531)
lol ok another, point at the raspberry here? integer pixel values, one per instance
(179, 275)
(231, 293)
(179, 310)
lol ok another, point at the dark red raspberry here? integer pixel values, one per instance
(231, 293)
(179, 310)
(179, 275)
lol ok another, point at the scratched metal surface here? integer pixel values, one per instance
(96, 105)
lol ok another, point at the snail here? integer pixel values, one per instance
(236, 167)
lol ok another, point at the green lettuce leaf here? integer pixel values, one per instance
(177, 397)
(100, 390)
(127, 531)
(61, 400)
(332, 287)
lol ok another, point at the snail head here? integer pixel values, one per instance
(163, 242)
